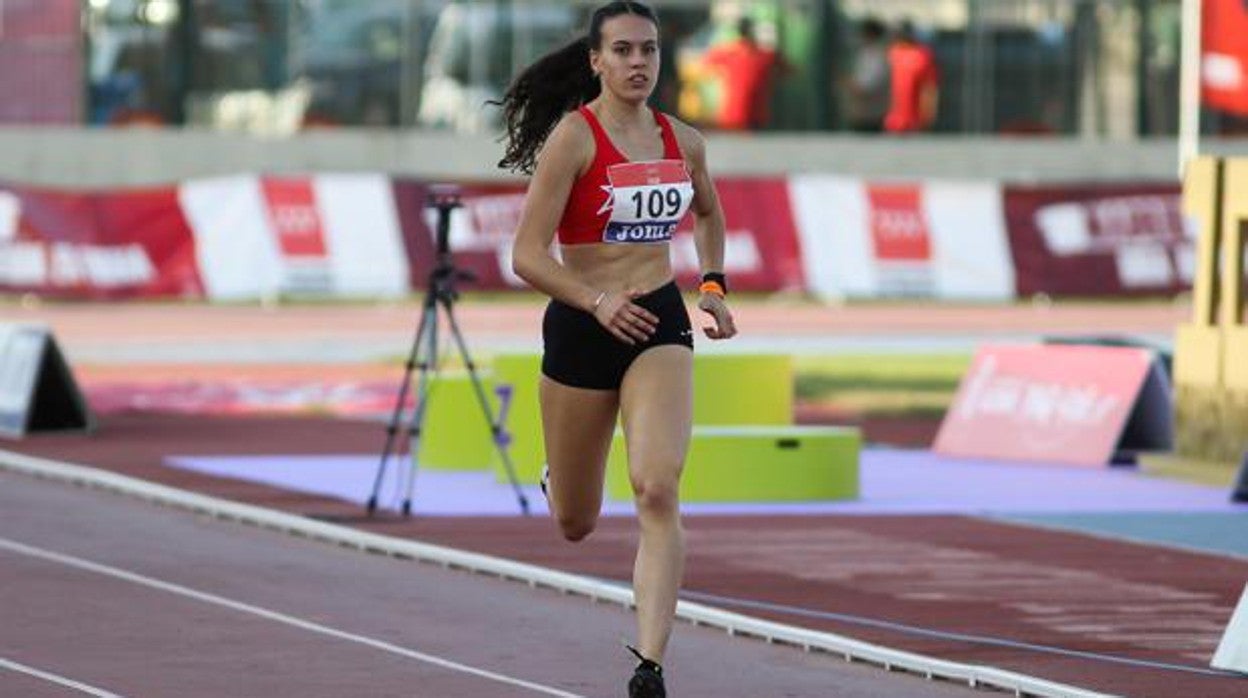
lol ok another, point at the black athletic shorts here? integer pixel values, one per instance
(581, 353)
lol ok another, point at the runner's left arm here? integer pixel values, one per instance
(708, 232)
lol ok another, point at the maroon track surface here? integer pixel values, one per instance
(124, 629)
(954, 574)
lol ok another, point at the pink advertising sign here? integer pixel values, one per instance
(1055, 403)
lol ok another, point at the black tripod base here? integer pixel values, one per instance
(424, 357)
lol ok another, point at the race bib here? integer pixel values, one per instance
(648, 200)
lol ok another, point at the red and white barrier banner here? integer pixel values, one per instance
(929, 239)
(1048, 403)
(96, 245)
(1102, 240)
(762, 247)
(333, 235)
(1224, 55)
(366, 235)
(243, 237)
(762, 251)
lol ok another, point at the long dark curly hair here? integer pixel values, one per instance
(553, 85)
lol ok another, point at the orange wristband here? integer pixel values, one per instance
(712, 287)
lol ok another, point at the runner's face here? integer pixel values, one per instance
(628, 58)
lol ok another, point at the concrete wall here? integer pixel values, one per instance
(71, 157)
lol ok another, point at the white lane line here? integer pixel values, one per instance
(117, 573)
(54, 678)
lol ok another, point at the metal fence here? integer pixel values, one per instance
(1090, 67)
(41, 53)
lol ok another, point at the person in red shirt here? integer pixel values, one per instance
(746, 70)
(915, 83)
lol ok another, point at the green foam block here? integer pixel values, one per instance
(456, 434)
(742, 389)
(728, 389)
(524, 419)
(758, 464)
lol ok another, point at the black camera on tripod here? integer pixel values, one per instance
(445, 199)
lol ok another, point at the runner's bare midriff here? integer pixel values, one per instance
(619, 267)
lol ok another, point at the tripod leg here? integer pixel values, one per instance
(417, 425)
(397, 417)
(496, 427)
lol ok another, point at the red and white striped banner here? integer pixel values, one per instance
(328, 235)
(370, 236)
(96, 245)
(908, 239)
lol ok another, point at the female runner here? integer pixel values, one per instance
(611, 179)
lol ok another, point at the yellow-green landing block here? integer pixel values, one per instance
(728, 389)
(524, 418)
(771, 463)
(742, 389)
(456, 435)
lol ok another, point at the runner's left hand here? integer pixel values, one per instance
(714, 305)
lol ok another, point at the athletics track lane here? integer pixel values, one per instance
(245, 612)
(1143, 602)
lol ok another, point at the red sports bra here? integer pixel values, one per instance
(620, 201)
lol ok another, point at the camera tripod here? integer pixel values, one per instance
(441, 291)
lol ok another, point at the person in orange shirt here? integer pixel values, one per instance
(747, 73)
(915, 83)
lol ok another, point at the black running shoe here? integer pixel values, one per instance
(647, 681)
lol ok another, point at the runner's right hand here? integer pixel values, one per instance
(628, 322)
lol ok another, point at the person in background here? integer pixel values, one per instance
(867, 84)
(747, 74)
(612, 178)
(915, 81)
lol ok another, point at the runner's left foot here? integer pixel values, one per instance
(647, 681)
